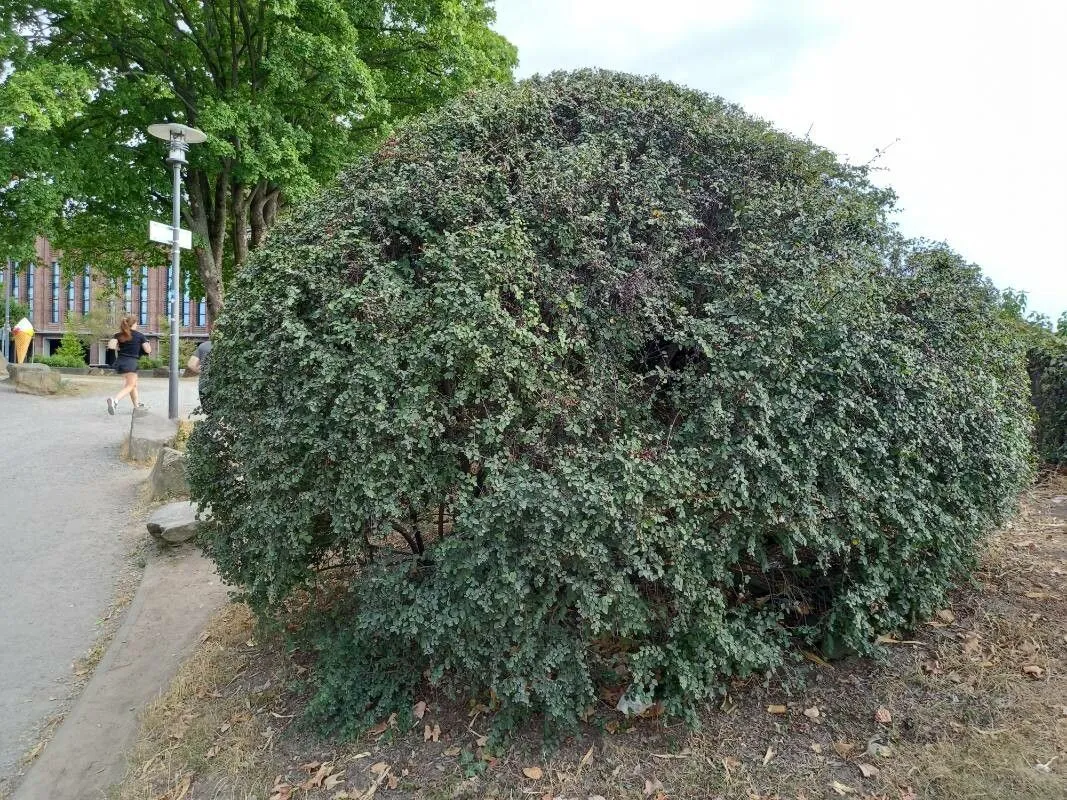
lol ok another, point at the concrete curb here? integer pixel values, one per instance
(149, 434)
(178, 595)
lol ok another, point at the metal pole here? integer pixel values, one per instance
(9, 277)
(175, 266)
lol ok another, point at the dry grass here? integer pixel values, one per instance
(973, 705)
(181, 438)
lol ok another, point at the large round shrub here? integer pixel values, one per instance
(597, 381)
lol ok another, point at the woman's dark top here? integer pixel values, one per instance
(129, 352)
(134, 348)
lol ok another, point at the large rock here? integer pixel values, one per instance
(149, 434)
(34, 378)
(175, 523)
(168, 475)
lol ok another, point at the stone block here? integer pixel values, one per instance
(168, 475)
(175, 523)
(149, 434)
(34, 378)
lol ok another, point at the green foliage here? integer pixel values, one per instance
(1048, 373)
(71, 347)
(70, 352)
(597, 380)
(1046, 355)
(286, 91)
(186, 347)
(18, 310)
(150, 362)
(61, 361)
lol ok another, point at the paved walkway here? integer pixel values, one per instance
(66, 525)
(177, 598)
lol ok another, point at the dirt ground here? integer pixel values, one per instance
(972, 705)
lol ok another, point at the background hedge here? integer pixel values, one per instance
(599, 383)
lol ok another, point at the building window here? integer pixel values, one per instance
(55, 292)
(185, 302)
(143, 305)
(127, 295)
(201, 312)
(70, 297)
(16, 282)
(87, 287)
(29, 289)
(166, 297)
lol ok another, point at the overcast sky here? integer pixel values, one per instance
(972, 96)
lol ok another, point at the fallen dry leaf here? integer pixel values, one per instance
(212, 752)
(868, 770)
(816, 659)
(816, 748)
(844, 749)
(316, 780)
(380, 768)
(380, 728)
(419, 710)
(812, 713)
(883, 716)
(768, 756)
(971, 645)
(453, 751)
(887, 639)
(332, 781)
(652, 785)
(776, 709)
(841, 788)
(908, 794)
(533, 773)
(1034, 671)
(393, 782)
(1038, 595)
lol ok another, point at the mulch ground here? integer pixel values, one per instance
(971, 705)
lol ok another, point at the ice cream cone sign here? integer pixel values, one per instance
(23, 333)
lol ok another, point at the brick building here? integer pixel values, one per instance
(52, 300)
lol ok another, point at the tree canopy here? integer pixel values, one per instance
(287, 91)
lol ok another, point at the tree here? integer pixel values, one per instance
(597, 383)
(287, 91)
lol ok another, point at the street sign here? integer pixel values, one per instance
(164, 234)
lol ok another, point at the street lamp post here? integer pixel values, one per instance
(9, 276)
(179, 137)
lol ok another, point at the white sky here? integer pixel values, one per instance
(973, 96)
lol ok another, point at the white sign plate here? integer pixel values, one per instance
(164, 234)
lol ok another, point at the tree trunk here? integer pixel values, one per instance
(239, 202)
(207, 218)
(257, 220)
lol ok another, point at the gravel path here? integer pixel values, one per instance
(66, 526)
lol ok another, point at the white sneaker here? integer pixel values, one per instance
(111, 406)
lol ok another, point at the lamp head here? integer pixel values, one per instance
(179, 137)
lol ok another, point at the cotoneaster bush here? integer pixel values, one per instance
(600, 382)
(1048, 373)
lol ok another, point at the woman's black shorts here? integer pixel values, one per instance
(125, 364)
